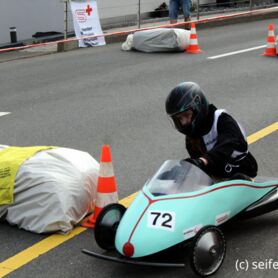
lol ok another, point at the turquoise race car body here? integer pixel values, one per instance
(179, 200)
(181, 204)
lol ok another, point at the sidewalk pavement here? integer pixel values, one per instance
(205, 21)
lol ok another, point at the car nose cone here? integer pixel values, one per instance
(128, 249)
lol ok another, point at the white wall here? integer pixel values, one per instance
(108, 8)
(31, 16)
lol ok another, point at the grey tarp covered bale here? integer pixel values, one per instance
(54, 190)
(158, 40)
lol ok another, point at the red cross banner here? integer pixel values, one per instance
(86, 22)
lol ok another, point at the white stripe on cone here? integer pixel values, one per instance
(106, 170)
(270, 45)
(194, 42)
(104, 199)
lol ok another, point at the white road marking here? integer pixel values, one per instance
(236, 52)
(4, 113)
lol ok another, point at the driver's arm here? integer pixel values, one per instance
(230, 139)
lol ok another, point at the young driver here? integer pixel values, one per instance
(214, 139)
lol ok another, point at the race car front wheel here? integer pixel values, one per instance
(107, 224)
(208, 251)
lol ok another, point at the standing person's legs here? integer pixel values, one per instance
(186, 12)
(174, 11)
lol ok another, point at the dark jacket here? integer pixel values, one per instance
(230, 154)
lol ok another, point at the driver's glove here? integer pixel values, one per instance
(197, 162)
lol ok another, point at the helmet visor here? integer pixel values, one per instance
(183, 120)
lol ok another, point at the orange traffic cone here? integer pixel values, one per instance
(270, 49)
(106, 186)
(193, 47)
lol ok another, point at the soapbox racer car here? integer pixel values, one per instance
(181, 204)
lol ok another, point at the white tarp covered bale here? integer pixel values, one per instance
(158, 40)
(54, 190)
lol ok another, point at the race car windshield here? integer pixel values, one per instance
(176, 176)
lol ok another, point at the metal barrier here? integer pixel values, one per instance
(141, 10)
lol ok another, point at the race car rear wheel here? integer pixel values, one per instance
(208, 251)
(107, 224)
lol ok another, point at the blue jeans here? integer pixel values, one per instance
(175, 5)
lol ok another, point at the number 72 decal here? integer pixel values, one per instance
(165, 220)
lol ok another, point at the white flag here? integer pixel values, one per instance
(86, 22)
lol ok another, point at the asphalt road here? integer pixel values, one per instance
(83, 99)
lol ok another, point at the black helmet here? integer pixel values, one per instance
(188, 96)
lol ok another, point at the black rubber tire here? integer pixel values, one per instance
(217, 247)
(106, 226)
